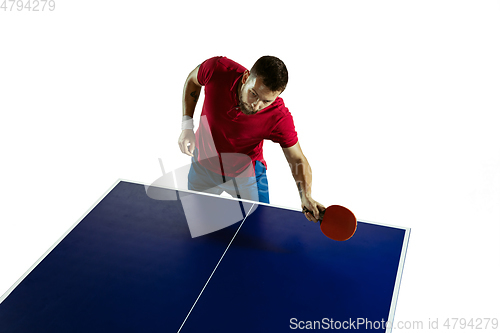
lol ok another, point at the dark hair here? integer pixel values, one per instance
(272, 71)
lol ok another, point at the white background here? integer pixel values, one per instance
(396, 104)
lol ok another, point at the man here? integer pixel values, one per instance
(241, 109)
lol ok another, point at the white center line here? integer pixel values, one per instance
(185, 319)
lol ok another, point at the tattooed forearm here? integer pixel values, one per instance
(195, 96)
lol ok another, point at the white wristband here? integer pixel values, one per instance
(187, 122)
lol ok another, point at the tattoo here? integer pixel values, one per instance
(300, 189)
(195, 96)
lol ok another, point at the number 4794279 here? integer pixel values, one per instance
(28, 5)
(474, 323)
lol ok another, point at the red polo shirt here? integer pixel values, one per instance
(225, 129)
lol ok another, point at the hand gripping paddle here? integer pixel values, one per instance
(336, 222)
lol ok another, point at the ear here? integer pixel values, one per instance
(245, 77)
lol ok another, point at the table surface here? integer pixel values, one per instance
(149, 259)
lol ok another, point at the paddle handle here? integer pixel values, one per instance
(321, 213)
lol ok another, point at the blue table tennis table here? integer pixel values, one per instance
(131, 264)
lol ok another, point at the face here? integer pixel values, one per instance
(254, 95)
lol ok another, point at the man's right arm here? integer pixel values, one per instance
(191, 93)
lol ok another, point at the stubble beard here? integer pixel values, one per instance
(245, 109)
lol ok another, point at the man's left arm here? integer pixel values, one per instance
(302, 173)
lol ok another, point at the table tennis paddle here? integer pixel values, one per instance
(336, 222)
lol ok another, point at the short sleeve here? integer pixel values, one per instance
(207, 69)
(284, 132)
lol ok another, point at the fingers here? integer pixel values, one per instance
(312, 218)
(309, 215)
(312, 210)
(315, 211)
(188, 148)
(187, 143)
(315, 217)
(191, 149)
(183, 146)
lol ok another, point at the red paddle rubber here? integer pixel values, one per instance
(336, 222)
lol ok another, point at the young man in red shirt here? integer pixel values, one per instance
(241, 109)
